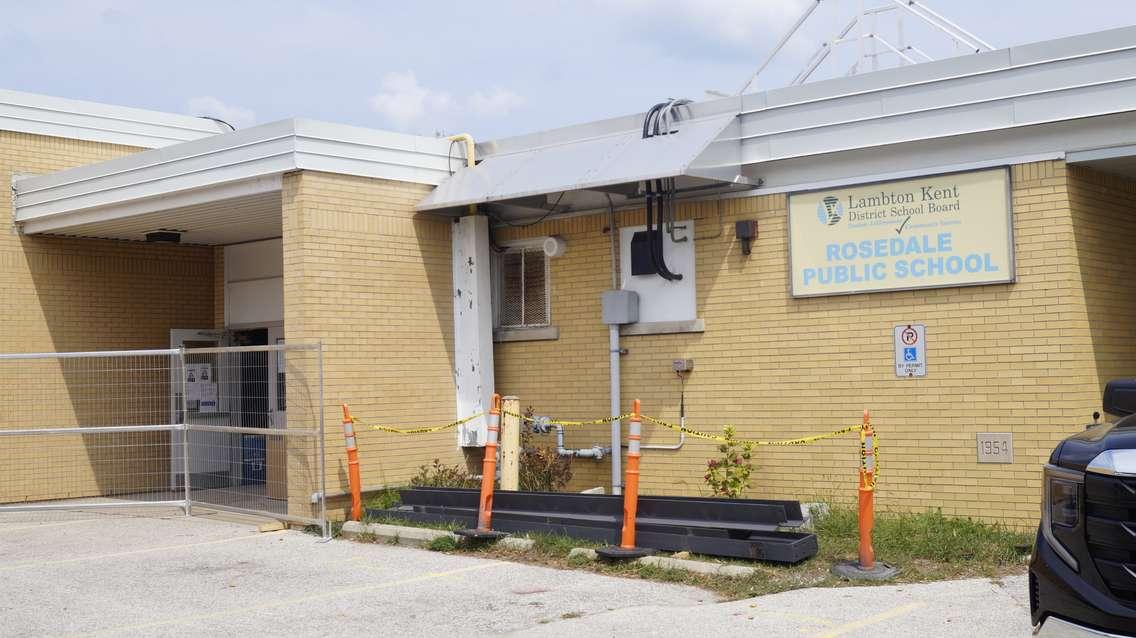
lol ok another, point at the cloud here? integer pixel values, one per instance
(238, 116)
(403, 101)
(496, 103)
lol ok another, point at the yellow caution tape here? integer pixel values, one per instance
(422, 430)
(717, 437)
(601, 421)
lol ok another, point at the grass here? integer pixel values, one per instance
(926, 546)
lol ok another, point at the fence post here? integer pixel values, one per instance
(353, 480)
(511, 443)
(627, 548)
(184, 406)
(484, 530)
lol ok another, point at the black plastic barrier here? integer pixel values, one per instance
(738, 528)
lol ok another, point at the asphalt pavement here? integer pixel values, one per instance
(126, 574)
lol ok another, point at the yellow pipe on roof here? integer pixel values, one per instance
(470, 160)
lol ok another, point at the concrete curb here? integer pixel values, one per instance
(518, 543)
(410, 536)
(583, 552)
(697, 566)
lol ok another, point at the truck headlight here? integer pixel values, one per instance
(1061, 508)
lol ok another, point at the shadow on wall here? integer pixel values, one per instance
(1104, 229)
(85, 295)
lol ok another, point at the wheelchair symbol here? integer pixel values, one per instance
(910, 355)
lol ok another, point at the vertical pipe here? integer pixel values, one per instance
(614, 373)
(489, 467)
(184, 431)
(353, 480)
(322, 447)
(631, 494)
(511, 443)
(867, 493)
(616, 425)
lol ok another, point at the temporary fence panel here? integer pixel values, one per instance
(230, 428)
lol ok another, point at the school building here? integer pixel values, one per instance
(948, 245)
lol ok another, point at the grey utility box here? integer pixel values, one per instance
(620, 307)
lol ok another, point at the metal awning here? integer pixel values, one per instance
(702, 152)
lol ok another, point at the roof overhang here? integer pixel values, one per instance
(91, 121)
(1020, 104)
(702, 152)
(222, 189)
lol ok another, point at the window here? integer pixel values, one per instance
(520, 290)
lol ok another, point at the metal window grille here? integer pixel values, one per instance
(178, 427)
(523, 299)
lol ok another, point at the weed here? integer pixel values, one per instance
(385, 499)
(443, 544)
(572, 614)
(729, 476)
(439, 475)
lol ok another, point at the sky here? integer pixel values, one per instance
(493, 68)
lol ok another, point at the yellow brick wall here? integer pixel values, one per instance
(1105, 230)
(1017, 358)
(62, 294)
(372, 280)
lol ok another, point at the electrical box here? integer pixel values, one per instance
(683, 365)
(620, 307)
(641, 262)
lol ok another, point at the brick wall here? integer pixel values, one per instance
(1018, 357)
(372, 280)
(63, 294)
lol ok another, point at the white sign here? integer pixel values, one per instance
(928, 232)
(911, 350)
(208, 397)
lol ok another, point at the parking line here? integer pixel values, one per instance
(293, 601)
(871, 620)
(133, 552)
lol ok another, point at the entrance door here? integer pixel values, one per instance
(209, 459)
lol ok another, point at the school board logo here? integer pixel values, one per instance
(830, 211)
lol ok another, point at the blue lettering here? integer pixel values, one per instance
(954, 264)
(832, 252)
(935, 267)
(879, 270)
(944, 242)
(809, 275)
(901, 269)
(990, 267)
(973, 263)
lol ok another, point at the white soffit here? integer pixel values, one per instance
(234, 165)
(91, 121)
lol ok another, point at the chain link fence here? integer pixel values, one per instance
(229, 428)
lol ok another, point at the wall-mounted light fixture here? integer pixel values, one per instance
(745, 231)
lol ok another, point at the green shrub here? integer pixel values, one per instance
(541, 468)
(439, 475)
(728, 476)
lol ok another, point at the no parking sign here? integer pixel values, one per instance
(911, 350)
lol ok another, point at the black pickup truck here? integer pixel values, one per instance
(1082, 578)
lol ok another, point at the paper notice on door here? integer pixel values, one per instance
(208, 400)
(193, 391)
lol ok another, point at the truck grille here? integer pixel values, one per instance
(1110, 531)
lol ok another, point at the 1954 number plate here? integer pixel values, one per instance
(995, 447)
